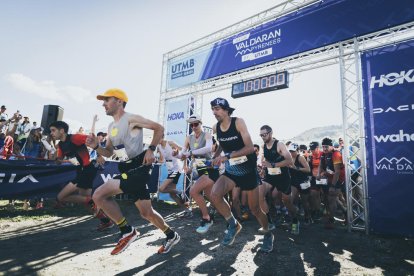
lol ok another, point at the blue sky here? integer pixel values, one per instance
(66, 52)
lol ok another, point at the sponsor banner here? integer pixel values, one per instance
(318, 25)
(177, 112)
(28, 179)
(388, 85)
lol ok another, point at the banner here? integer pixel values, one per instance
(318, 25)
(176, 120)
(388, 86)
(28, 179)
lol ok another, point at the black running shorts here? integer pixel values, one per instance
(245, 182)
(175, 176)
(134, 182)
(280, 182)
(85, 176)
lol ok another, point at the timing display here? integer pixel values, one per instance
(260, 85)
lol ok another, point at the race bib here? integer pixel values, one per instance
(274, 171)
(305, 185)
(199, 162)
(74, 161)
(237, 160)
(121, 153)
(322, 181)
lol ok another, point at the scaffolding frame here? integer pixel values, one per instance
(346, 54)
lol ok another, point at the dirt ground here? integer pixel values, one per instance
(64, 242)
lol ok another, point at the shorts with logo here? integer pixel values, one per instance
(135, 177)
(246, 182)
(175, 176)
(280, 182)
(85, 176)
(212, 173)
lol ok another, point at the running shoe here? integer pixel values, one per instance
(267, 245)
(271, 227)
(205, 224)
(187, 214)
(105, 226)
(231, 234)
(125, 241)
(295, 227)
(168, 244)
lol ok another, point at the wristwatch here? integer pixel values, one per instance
(153, 148)
(227, 155)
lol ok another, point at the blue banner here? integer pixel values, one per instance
(28, 179)
(321, 24)
(388, 86)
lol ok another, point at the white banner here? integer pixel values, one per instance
(177, 112)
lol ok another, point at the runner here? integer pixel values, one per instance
(126, 141)
(198, 145)
(79, 190)
(175, 167)
(240, 171)
(277, 159)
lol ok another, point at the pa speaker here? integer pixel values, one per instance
(51, 113)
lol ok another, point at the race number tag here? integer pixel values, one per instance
(305, 185)
(121, 153)
(322, 181)
(199, 162)
(237, 160)
(74, 161)
(274, 171)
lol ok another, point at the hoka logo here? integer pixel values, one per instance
(175, 116)
(392, 79)
(394, 138)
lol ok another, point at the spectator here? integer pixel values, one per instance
(24, 128)
(33, 147)
(102, 139)
(3, 115)
(81, 131)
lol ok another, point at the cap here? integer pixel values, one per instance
(114, 92)
(101, 134)
(223, 103)
(313, 145)
(3, 107)
(303, 147)
(293, 147)
(327, 141)
(194, 118)
(336, 145)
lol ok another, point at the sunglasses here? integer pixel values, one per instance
(194, 124)
(264, 134)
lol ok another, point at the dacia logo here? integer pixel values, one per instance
(392, 79)
(20, 179)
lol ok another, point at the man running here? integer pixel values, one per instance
(240, 171)
(277, 160)
(198, 145)
(79, 190)
(125, 139)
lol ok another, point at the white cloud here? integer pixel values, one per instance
(49, 89)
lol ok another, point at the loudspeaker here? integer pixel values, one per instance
(51, 113)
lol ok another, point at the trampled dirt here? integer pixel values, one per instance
(65, 243)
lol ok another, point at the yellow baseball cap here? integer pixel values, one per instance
(114, 92)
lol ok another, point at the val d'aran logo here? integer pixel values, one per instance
(399, 165)
(182, 69)
(392, 79)
(251, 48)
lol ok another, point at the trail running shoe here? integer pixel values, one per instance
(168, 244)
(267, 245)
(187, 214)
(204, 226)
(125, 241)
(231, 234)
(105, 226)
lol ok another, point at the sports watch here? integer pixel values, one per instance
(153, 148)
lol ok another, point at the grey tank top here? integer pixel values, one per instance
(122, 135)
(198, 144)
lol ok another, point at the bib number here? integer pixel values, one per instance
(274, 171)
(305, 185)
(322, 181)
(74, 161)
(237, 160)
(121, 153)
(199, 162)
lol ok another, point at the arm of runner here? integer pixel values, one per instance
(337, 161)
(160, 153)
(92, 142)
(174, 145)
(282, 150)
(182, 154)
(137, 120)
(207, 148)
